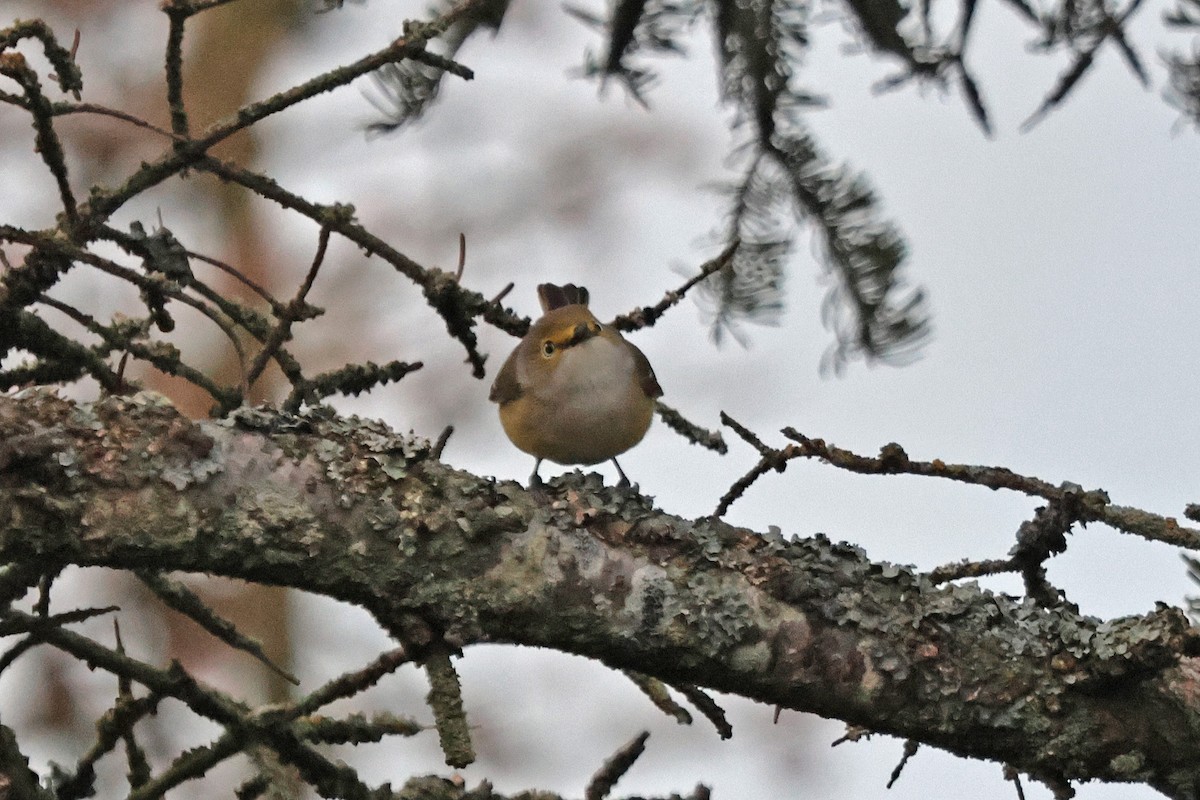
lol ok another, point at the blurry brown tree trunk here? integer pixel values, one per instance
(227, 50)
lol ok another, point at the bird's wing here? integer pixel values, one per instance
(646, 373)
(507, 386)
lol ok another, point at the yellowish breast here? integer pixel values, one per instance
(589, 409)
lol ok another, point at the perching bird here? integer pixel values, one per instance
(573, 390)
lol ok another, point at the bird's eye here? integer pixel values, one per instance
(595, 327)
(547, 348)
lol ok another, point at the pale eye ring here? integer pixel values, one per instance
(547, 348)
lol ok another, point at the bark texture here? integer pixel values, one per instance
(349, 509)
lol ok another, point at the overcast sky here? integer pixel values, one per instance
(1061, 265)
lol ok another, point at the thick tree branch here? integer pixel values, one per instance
(350, 510)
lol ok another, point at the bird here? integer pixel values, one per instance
(573, 390)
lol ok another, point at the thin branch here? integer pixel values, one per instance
(647, 315)
(1094, 504)
(103, 204)
(177, 14)
(37, 624)
(503, 293)
(139, 766)
(440, 445)
(970, 569)
(456, 305)
(157, 283)
(615, 767)
(351, 379)
(462, 257)
(910, 750)
(708, 707)
(64, 108)
(66, 71)
(352, 682)
(47, 142)
(673, 419)
(182, 599)
(118, 337)
(173, 682)
(294, 311)
(747, 435)
(445, 700)
(113, 728)
(743, 483)
(357, 728)
(191, 764)
(658, 694)
(189, 8)
(61, 359)
(276, 306)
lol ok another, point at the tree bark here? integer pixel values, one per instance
(349, 509)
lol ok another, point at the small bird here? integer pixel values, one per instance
(573, 390)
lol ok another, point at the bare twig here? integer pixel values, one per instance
(165, 359)
(647, 315)
(156, 283)
(615, 767)
(1082, 506)
(442, 439)
(503, 293)
(139, 766)
(710, 440)
(708, 707)
(445, 700)
(770, 460)
(462, 256)
(352, 682)
(62, 109)
(190, 8)
(191, 764)
(276, 306)
(910, 750)
(188, 603)
(1094, 505)
(456, 305)
(114, 727)
(658, 694)
(1014, 776)
(970, 569)
(295, 310)
(103, 204)
(351, 379)
(747, 435)
(48, 145)
(177, 15)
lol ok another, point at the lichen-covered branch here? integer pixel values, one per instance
(348, 509)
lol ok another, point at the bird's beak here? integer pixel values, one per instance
(580, 335)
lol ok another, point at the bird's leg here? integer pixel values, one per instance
(536, 488)
(624, 480)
